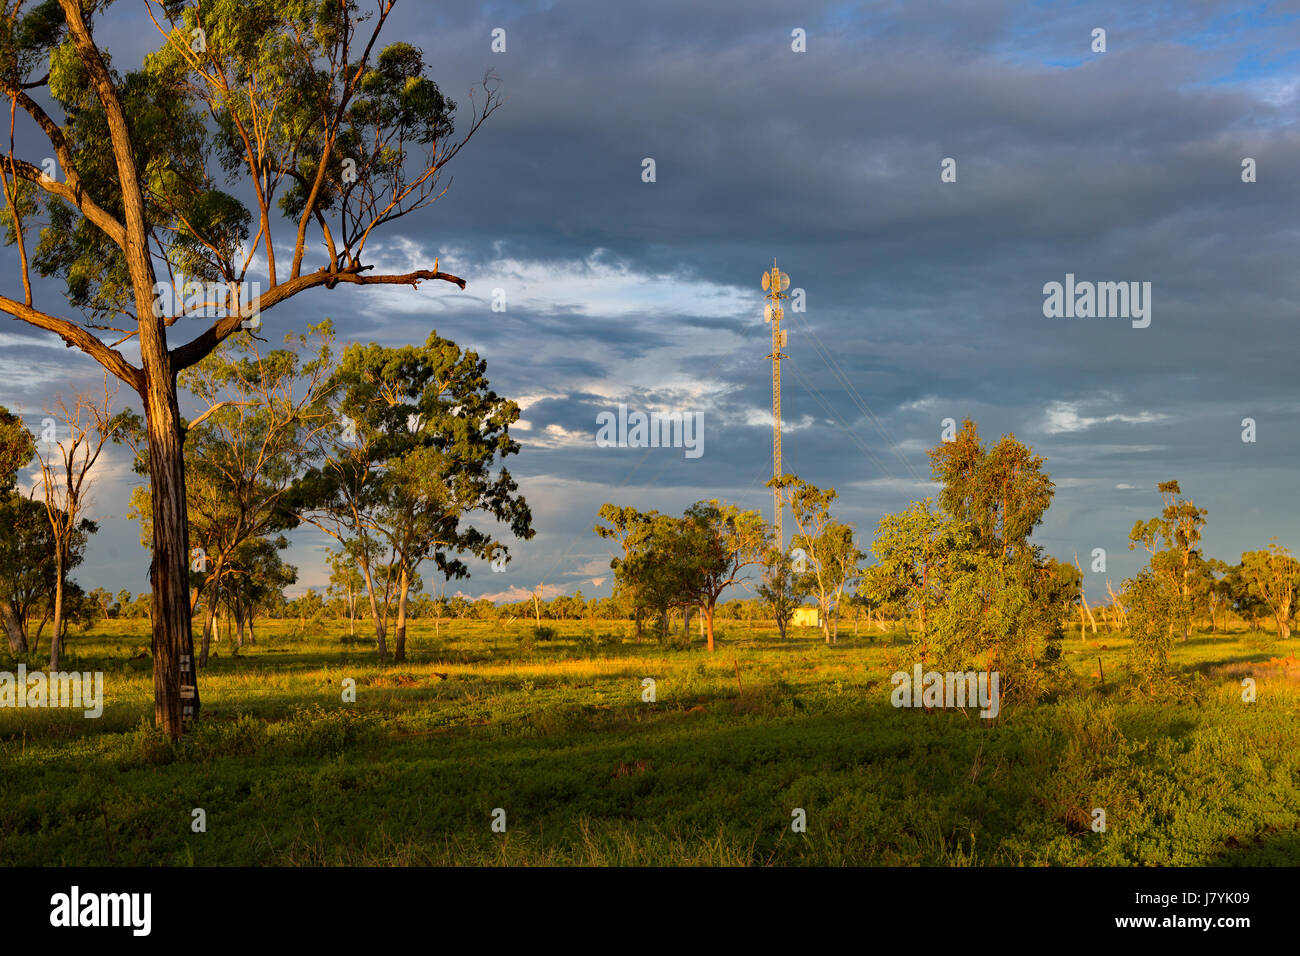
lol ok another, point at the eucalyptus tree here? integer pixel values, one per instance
(1173, 542)
(721, 543)
(41, 541)
(1274, 578)
(304, 114)
(629, 528)
(830, 556)
(917, 550)
(345, 582)
(255, 579)
(684, 562)
(780, 590)
(411, 466)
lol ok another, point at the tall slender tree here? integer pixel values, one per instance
(82, 429)
(297, 103)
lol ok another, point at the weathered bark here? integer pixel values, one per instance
(708, 622)
(173, 643)
(14, 630)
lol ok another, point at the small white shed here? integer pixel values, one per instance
(806, 617)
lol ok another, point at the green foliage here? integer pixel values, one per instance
(982, 595)
(1153, 608)
(915, 551)
(1171, 540)
(999, 493)
(17, 449)
(681, 563)
(780, 589)
(1273, 577)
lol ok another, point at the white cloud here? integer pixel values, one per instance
(598, 285)
(1062, 417)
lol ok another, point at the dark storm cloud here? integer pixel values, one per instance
(924, 299)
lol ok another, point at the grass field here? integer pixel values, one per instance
(557, 735)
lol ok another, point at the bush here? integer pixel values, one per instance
(1152, 616)
(590, 642)
(317, 732)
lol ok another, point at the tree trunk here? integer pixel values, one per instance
(173, 644)
(57, 637)
(40, 629)
(381, 630)
(14, 630)
(209, 614)
(399, 644)
(708, 623)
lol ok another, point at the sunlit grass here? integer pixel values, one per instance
(558, 736)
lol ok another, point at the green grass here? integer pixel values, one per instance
(558, 736)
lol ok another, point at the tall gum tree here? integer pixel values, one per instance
(412, 466)
(300, 108)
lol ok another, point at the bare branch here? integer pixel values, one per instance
(198, 421)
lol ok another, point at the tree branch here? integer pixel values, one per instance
(214, 408)
(76, 337)
(73, 193)
(192, 352)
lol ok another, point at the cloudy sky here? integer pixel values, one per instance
(924, 298)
